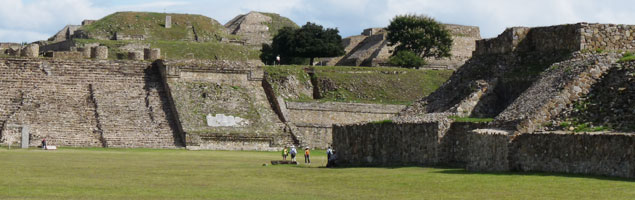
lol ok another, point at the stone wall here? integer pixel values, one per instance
(386, 144)
(568, 37)
(607, 36)
(607, 154)
(453, 144)
(487, 150)
(65, 55)
(86, 103)
(65, 45)
(314, 120)
(203, 91)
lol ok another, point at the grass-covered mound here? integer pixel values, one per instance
(152, 25)
(277, 22)
(182, 174)
(177, 42)
(384, 85)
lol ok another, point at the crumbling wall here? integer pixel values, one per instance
(86, 103)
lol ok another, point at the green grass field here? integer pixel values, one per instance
(182, 174)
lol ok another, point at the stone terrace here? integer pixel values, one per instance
(86, 103)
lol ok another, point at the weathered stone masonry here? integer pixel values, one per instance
(210, 96)
(313, 121)
(86, 103)
(515, 140)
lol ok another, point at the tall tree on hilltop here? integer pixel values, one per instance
(310, 41)
(420, 35)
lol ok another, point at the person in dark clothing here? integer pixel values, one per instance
(331, 161)
(44, 143)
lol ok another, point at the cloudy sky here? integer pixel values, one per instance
(31, 20)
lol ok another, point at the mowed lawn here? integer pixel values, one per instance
(183, 174)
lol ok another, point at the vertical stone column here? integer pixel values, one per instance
(25, 137)
(135, 55)
(151, 54)
(168, 21)
(31, 51)
(99, 52)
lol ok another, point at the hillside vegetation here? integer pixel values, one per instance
(177, 42)
(384, 85)
(277, 22)
(152, 25)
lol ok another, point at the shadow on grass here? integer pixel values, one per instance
(462, 171)
(465, 172)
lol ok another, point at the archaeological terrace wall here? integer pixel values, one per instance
(598, 153)
(569, 37)
(86, 103)
(221, 105)
(314, 120)
(386, 144)
(550, 69)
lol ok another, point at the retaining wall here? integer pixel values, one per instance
(386, 144)
(608, 154)
(568, 37)
(314, 120)
(86, 103)
(203, 90)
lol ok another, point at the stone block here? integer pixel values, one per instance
(168, 21)
(99, 52)
(135, 55)
(31, 51)
(151, 54)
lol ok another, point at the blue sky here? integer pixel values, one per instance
(31, 20)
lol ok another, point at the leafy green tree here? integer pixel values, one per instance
(421, 35)
(407, 59)
(310, 41)
(313, 41)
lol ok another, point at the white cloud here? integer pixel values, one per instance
(18, 36)
(39, 19)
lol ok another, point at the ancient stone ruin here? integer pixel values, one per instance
(552, 99)
(530, 81)
(371, 48)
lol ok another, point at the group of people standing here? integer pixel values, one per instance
(330, 154)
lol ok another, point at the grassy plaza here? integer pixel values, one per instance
(96, 173)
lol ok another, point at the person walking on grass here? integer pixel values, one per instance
(285, 153)
(293, 153)
(307, 153)
(44, 143)
(329, 152)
